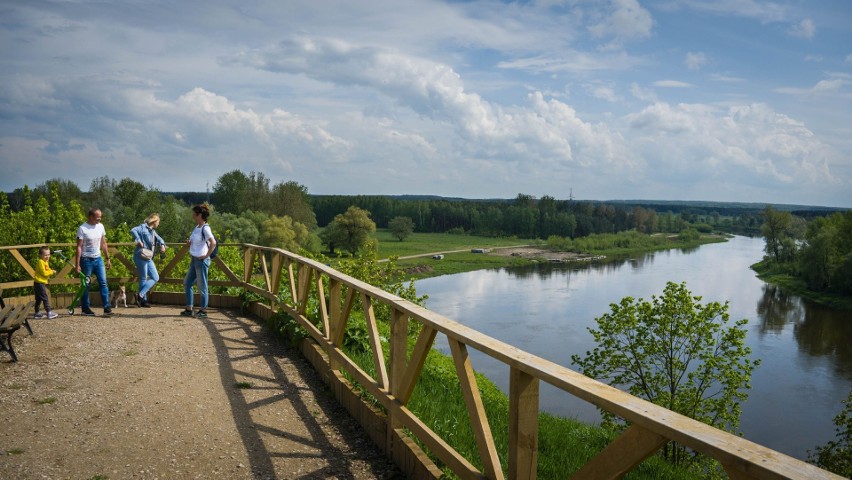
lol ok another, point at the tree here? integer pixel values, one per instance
(401, 227)
(776, 230)
(350, 230)
(283, 232)
(677, 353)
(292, 199)
(229, 192)
(836, 455)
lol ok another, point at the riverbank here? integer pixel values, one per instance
(499, 253)
(797, 286)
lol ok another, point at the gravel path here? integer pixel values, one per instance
(153, 395)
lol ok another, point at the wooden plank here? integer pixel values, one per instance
(323, 307)
(478, 419)
(305, 273)
(264, 269)
(416, 362)
(375, 341)
(248, 263)
(398, 360)
(440, 448)
(179, 254)
(523, 425)
(277, 266)
(619, 457)
(23, 262)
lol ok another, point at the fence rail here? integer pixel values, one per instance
(291, 283)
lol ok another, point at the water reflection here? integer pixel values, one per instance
(827, 332)
(775, 309)
(545, 309)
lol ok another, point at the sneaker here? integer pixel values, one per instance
(201, 314)
(145, 303)
(107, 311)
(39, 315)
(186, 313)
(138, 299)
(87, 312)
(52, 315)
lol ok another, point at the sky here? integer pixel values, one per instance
(725, 100)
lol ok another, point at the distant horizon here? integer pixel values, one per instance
(636, 99)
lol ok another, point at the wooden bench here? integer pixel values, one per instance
(11, 319)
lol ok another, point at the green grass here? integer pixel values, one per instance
(565, 444)
(421, 243)
(15, 451)
(243, 385)
(46, 401)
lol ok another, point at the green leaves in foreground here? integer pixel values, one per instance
(677, 353)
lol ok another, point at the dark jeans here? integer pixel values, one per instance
(41, 296)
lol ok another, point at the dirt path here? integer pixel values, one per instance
(152, 395)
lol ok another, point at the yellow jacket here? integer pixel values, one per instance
(42, 271)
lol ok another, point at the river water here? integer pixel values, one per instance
(546, 309)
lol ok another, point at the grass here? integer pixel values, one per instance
(129, 353)
(47, 401)
(565, 444)
(466, 261)
(243, 385)
(15, 451)
(421, 243)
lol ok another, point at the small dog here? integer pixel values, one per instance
(119, 296)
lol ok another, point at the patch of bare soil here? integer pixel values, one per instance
(544, 255)
(152, 395)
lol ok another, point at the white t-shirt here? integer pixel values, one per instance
(198, 245)
(91, 236)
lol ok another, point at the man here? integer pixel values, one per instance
(91, 241)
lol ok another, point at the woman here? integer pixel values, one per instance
(145, 237)
(201, 245)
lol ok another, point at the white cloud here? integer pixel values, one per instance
(743, 142)
(627, 20)
(695, 60)
(804, 29)
(672, 84)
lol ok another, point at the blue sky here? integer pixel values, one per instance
(729, 100)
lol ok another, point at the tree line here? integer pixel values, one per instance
(817, 251)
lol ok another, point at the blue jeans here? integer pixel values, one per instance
(96, 265)
(197, 273)
(147, 272)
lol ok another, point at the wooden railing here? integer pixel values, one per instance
(289, 283)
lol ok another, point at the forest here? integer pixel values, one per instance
(810, 242)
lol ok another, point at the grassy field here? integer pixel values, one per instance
(421, 243)
(415, 251)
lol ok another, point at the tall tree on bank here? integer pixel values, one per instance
(401, 227)
(349, 231)
(779, 233)
(677, 353)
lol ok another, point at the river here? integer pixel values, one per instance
(546, 309)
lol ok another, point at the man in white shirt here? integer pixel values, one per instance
(91, 241)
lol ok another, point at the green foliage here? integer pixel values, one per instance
(283, 232)
(677, 353)
(350, 231)
(401, 227)
(836, 455)
(625, 242)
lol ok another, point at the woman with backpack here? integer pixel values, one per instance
(202, 246)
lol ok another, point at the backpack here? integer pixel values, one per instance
(216, 248)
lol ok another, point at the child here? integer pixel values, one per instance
(42, 271)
